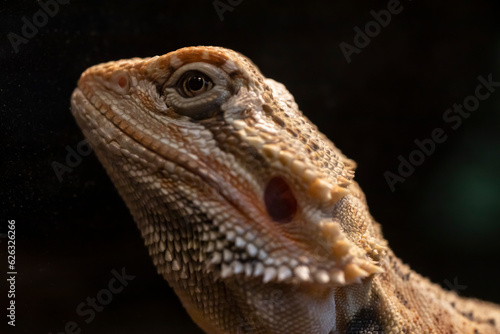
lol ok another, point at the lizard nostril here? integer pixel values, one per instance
(280, 202)
(120, 82)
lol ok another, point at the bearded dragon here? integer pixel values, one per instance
(248, 211)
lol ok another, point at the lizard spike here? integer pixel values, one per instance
(175, 265)
(350, 173)
(283, 273)
(262, 255)
(168, 256)
(219, 245)
(371, 268)
(230, 235)
(210, 247)
(248, 269)
(303, 273)
(216, 258)
(269, 274)
(298, 167)
(271, 151)
(350, 164)
(240, 242)
(321, 190)
(341, 248)
(286, 158)
(258, 269)
(237, 267)
(227, 255)
(309, 176)
(338, 192)
(226, 270)
(322, 276)
(251, 131)
(252, 250)
(255, 141)
(353, 273)
(337, 276)
(343, 182)
(330, 230)
(239, 124)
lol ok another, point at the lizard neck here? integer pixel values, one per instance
(403, 297)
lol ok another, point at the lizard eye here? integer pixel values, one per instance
(194, 83)
(197, 90)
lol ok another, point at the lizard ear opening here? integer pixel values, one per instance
(280, 201)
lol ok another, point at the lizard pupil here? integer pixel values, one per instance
(194, 83)
(280, 201)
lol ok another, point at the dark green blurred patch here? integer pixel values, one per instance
(463, 196)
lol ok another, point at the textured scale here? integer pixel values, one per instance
(249, 213)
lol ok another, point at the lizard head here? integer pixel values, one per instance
(222, 172)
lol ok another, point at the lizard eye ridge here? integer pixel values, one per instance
(194, 83)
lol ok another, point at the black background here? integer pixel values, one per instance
(444, 219)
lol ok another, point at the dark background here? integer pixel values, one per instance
(444, 219)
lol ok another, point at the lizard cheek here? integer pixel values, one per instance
(280, 201)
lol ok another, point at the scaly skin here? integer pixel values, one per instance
(251, 214)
